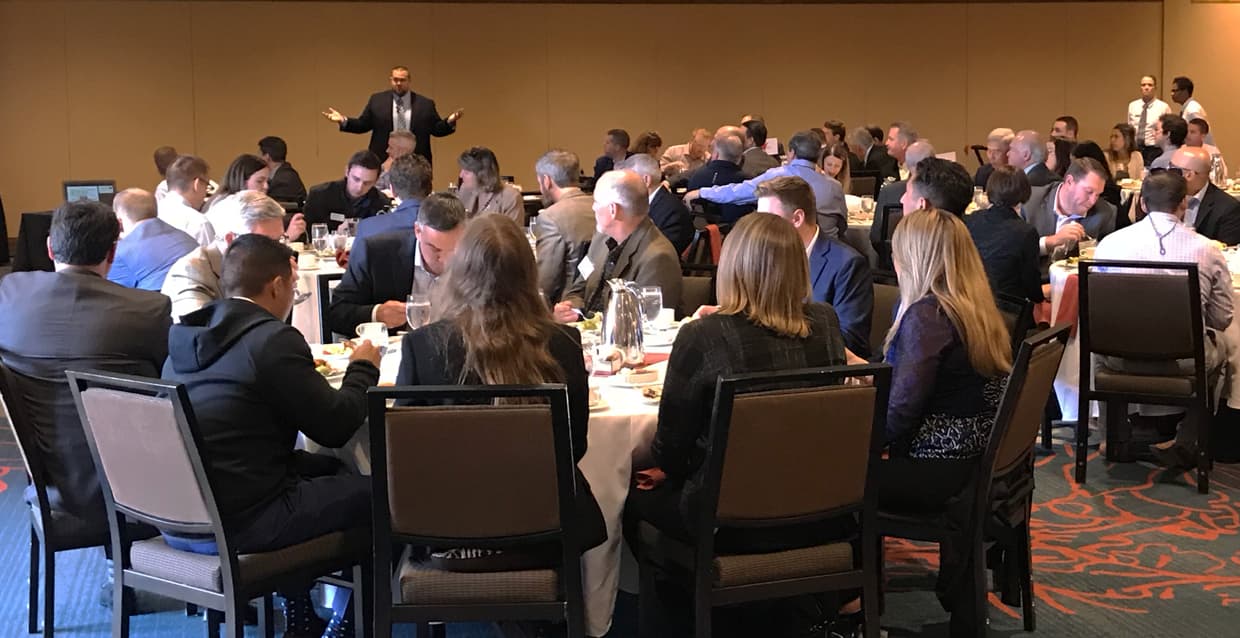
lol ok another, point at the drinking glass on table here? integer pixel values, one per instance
(652, 302)
(417, 310)
(867, 207)
(320, 236)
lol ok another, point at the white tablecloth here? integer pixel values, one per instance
(306, 315)
(618, 437)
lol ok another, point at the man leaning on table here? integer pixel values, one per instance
(627, 246)
(385, 269)
(1067, 212)
(194, 280)
(1210, 211)
(253, 384)
(1163, 236)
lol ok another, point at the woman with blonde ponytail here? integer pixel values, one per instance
(950, 355)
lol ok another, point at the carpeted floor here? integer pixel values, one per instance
(1135, 552)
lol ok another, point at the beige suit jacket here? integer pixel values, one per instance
(564, 231)
(194, 280)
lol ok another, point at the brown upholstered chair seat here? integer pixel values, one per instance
(155, 558)
(421, 584)
(1110, 380)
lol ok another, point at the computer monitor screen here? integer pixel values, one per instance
(97, 190)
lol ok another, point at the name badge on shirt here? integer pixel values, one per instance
(337, 217)
(586, 268)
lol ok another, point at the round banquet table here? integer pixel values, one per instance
(619, 435)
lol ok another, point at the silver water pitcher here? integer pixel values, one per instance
(622, 322)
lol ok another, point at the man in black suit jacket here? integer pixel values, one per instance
(75, 319)
(667, 211)
(384, 269)
(1211, 212)
(1028, 153)
(352, 197)
(417, 114)
(615, 150)
(723, 168)
(873, 155)
(284, 184)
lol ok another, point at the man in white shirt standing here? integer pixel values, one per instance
(187, 190)
(1182, 94)
(1162, 236)
(1142, 113)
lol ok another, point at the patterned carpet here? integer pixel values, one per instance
(1134, 552)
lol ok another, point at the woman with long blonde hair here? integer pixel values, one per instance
(763, 323)
(950, 355)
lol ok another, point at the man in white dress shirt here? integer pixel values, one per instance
(1182, 94)
(187, 190)
(1142, 113)
(1162, 236)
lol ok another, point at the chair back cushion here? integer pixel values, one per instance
(1030, 397)
(695, 293)
(1165, 302)
(796, 452)
(466, 471)
(144, 456)
(886, 298)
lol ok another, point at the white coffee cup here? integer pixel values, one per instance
(307, 261)
(667, 317)
(373, 331)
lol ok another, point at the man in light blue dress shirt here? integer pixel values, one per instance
(828, 194)
(149, 245)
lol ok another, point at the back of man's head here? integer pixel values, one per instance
(410, 176)
(619, 137)
(729, 144)
(1030, 142)
(904, 132)
(861, 137)
(83, 233)
(645, 166)
(916, 152)
(625, 189)
(184, 170)
(273, 147)
(1175, 128)
(756, 131)
(1183, 82)
(164, 157)
(792, 193)
(562, 167)
(251, 263)
(804, 145)
(441, 212)
(1164, 191)
(259, 214)
(135, 205)
(944, 184)
(836, 128)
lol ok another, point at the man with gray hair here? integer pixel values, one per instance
(666, 211)
(564, 228)
(890, 195)
(400, 144)
(723, 168)
(628, 246)
(899, 136)
(873, 155)
(148, 246)
(194, 280)
(1027, 152)
(803, 149)
(997, 145)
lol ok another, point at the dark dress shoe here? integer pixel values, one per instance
(1175, 457)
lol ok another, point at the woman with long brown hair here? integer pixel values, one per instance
(950, 354)
(834, 163)
(482, 188)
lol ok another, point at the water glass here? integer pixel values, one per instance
(417, 310)
(320, 236)
(651, 298)
(867, 207)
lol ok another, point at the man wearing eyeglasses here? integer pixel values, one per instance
(399, 109)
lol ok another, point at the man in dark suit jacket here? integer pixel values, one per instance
(1069, 211)
(1027, 152)
(385, 269)
(253, 384)
(75, 319)
(839, 275)
(352, 197)
(615, 150)
(417, 115)
(150, 246)
(1211, 211)
(755, 160)
(667, 211)
(284, 184)
(628, 246)
(723, 168)
(873, 155)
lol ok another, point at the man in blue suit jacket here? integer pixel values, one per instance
(411, 181)
(150, 245)
(839, 275)
(385, 268)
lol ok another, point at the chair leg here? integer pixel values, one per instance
(121, 609)
(362, 600)
(978, 573)
(191, 609)
(49, 591)
(1082, 442)
(1025, 557)
(1046, 432)
(234, 619)
(214, 619)
(701, 605)
(33, 609)
(424, 630)
(1203, 416)
(266, 618)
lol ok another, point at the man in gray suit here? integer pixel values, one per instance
(756, 161)
(75, 319)
(628, 246)
(564, 228)
(1066, 212)
(891, 194)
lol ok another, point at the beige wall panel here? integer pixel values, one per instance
(34, 132)
(491, 60)
(1201, 42)
(597, 83)
(132, 88)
